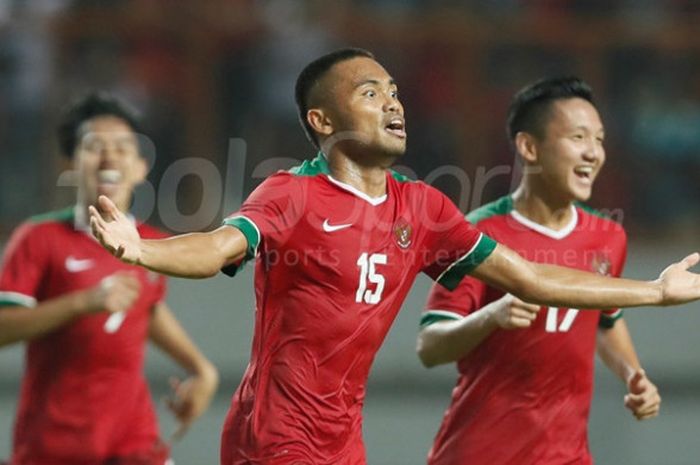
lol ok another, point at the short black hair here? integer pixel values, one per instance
(311, 74)
(530, 107)
(85, 108)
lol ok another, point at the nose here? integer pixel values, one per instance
(108, 155)
(594, 150)
(392, 104)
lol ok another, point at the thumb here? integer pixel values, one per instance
(107, 206)
(690, 261)
(635, 382)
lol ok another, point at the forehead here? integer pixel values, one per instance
(574, 112)
(355, 71)
(105, 126)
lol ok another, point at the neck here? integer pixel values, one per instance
(548, 210)
(369, 178)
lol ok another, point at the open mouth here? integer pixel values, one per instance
(396, 127)
(584, 172)
(108, 179)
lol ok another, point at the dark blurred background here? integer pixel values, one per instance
(214, 82)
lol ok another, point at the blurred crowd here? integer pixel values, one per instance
(203, 73)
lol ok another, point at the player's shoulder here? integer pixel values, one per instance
(40, 229)
(42, 224)
(492, 211)
(604, 222)
(309, 168)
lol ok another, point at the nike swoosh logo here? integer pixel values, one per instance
(75, 265)
(337, 227)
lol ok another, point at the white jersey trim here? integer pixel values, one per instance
(544, 230)
(17, 298)
(452, 265)
(374, 201)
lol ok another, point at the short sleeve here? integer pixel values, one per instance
(23, 267)
(617, 265)
(268, 216)
(443, 304)
(454, 247)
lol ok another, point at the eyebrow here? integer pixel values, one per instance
(376, 82)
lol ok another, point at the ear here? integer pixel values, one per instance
(526, 146)
(320, 122)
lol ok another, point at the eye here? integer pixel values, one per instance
(577, 137)
(394, 93)
(370, 93)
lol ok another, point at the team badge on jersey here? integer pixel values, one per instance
(402, 232)
(601, 264)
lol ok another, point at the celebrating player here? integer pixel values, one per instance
(86, 316)
(526, 372)
(337, 243)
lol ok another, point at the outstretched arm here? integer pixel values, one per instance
(195, 255)
(191, 396)
(615, 348)
(565, 287)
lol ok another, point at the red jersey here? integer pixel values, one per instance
(84, 397)
(523, 396)
(333, 267)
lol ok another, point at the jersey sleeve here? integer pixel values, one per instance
(268, 216)
(453, 246)
(619, 256)
(23, 267)
(443, 304)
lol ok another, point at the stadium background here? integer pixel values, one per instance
(214, 81)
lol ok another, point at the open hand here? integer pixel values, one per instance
(115, 231)
(678, 284)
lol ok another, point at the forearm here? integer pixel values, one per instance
(563, 287)
(559, 286)
(22, 323)
(449, 341)
(195, 255)
(616, 349)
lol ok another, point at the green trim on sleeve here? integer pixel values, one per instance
(433, 316)
(451, 277)
(13, 299)
(608, 321)
(249, 230)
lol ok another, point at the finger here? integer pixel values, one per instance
(110, 210)
(647, 416)
(647, 410)
(93, 212)
(518, 323)
(520, 313)
(636, 382)
(690, 261)
(532, 308)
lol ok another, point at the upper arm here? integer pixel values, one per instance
(23, 268)
(453, 247)
(507, 270)
(264, 222)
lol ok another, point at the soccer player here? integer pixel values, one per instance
(337, 243)
(86, 316)
(525, 371)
